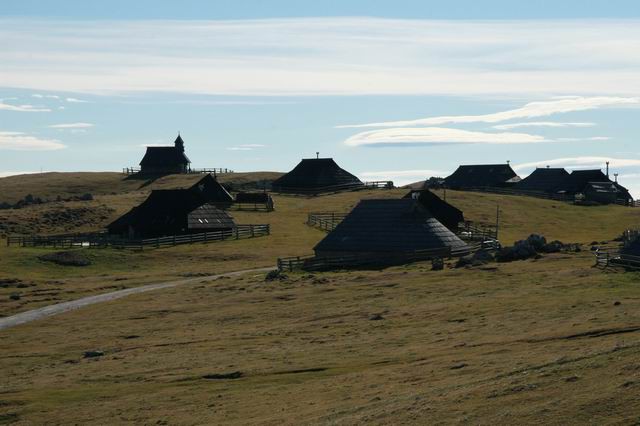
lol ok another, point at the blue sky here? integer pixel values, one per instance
(392, 90)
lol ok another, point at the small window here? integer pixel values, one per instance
(206, 220)
(200, 220)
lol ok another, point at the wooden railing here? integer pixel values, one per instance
(327, 221)
(542, 194)
(102, 240)
(214, 171)
(611, 258)
(316, 263)
(254, 207)
(335, 188)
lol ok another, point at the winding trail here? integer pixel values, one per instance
(60, 308)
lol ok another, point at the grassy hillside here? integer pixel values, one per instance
(51, 185)
(527, 342)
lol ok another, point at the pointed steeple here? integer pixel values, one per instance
(179, 143)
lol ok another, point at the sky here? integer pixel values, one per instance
(398, 90)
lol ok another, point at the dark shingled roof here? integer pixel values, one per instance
(480, 175)
(316, 173)
(544, 180)
(159, 156)
(578, 180)
(444, 212)
(165, 210)
(389, 226)
(208, 216)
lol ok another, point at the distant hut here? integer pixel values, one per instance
(167, 211)
(256, 198)
(548, 180)
(595, 186)
(445, 213)
(165, 159)
(388, 228)
(482, 176)
(601, 192)
(316, 175)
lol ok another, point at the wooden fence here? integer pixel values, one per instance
(335, 188)
(214, 171)
(253, 207)
(315, 263)
(613, 258)
(327, 221)
(544, 195)
(102, 240)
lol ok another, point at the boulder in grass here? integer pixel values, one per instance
(437, 264)
(479, 258)
(66, 258)
(521, 250)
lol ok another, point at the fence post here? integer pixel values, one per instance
(252, 233)
(237, 234)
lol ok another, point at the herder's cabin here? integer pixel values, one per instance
(165, 159)
(390, 228)
(445, 213)
(177, 211)
(316, 175)
(547, 180)
(583, 181)
(482, 176)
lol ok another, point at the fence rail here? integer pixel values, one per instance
(611, 258)
(334, 188)
(214, 171)
(101, 240)
(544, 195)
(253, 207)
(327, 221)
(316, 263)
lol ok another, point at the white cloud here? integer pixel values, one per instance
(437, 135)
(541, 124)
(22, 108)
(76, 100)
(530, 110)
(586, 162)
(323, 56)
(246, 147)
(18, 141)
(72, 126)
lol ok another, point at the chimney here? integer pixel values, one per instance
(317, 155)
(607, 170)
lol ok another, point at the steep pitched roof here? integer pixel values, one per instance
(159, 156)
(391, 226)
(211, 190)
(208, 216)
(480, 175)
(444, 212)
(578, 180)
(316, 173)
(544, 180)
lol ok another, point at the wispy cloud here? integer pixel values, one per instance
(541, 124)
(530, 110)
(438, 135)
(72, 126)
(22, 108)
(76, 100)
(18, 141)
(40, 96)
(323, 56)
(246, 147)
(586, 162)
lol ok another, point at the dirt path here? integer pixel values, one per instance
(60, 308)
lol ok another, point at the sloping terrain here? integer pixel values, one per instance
(545, 341)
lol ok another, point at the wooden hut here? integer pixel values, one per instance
(165, 159)
(166, 211)
(600, 192)
(482, 176)
(316, 175)
(548, 180)
(445, 213)
(388, 228)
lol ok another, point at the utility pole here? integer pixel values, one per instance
(497, 219)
